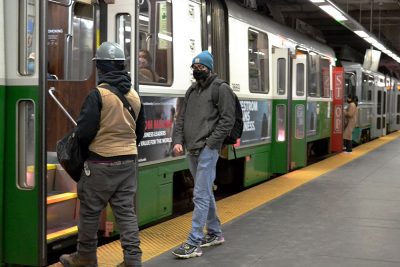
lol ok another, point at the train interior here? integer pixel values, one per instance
(71, 75)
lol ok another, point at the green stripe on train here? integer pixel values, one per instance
(21, 208)
(2, 123)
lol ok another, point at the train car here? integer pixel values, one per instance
(283, 81)
(297, 87)
(393, 102)
(370, 89)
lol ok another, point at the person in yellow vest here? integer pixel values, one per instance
(350, 115)
(110, 133)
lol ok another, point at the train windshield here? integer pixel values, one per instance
(367, 87)
(350, 83)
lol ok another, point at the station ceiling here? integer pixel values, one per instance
(381, 17)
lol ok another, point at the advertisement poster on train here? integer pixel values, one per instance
(162, 112)
(256, 121)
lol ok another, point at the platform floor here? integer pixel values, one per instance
(342, 211)
(347, 216)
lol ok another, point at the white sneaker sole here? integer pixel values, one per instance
(214, 243)
(188, 256)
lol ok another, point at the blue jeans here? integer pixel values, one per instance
(203, 168)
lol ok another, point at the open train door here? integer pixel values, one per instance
(337, 109)
(298, 144)
(22, 193)
(280, 105)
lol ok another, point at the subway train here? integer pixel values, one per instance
(290, 89)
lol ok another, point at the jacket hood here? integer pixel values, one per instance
(119, 79)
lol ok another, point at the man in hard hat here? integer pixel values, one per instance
(110, 126)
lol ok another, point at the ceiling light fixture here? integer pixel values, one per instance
(362, 34)
(335, 12)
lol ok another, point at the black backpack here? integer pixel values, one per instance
(237, 128)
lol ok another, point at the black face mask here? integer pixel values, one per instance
(200, 74)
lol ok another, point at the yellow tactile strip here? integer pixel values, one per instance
(167, 235)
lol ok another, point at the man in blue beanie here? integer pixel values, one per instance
(202, 126)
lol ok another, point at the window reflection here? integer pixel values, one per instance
(27, 43)
(155, 42)
(258, 62)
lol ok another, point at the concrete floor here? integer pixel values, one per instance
(347, 217)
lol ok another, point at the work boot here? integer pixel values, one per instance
(123, 264)
(74, 260)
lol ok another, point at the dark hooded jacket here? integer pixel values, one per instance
(201, 121)
(89, 118)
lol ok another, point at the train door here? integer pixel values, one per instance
(2, 120)
(385, 114)
(22, 194)
(75, 29)
(298, 145)
(280, 103)
(389, 85)
(380, 107)
(71, 45)
(396, 89)
(215, 36)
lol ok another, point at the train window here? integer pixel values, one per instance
(300, 79)
(26, 144)
(281, 73)
(71, 49)
(281, 123)
(379, 104)
(82, 43)
(155, 42)
(384, 102)
(398, 103)
(300, 125)
(314, 87)
(367, 87)
(258, 62)
(350, 83)
(312, 118)
(326, 77)
(27, 37)
(124, 32)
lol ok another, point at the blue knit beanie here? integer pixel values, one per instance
(205, 58)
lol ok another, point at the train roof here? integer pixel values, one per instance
(269, 25)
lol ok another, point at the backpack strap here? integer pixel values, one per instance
(215, 90)
(121, 97)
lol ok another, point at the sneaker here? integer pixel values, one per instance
(186, 251)
(212, 240)
(74, 260)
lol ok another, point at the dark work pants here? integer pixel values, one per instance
(114, 184)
